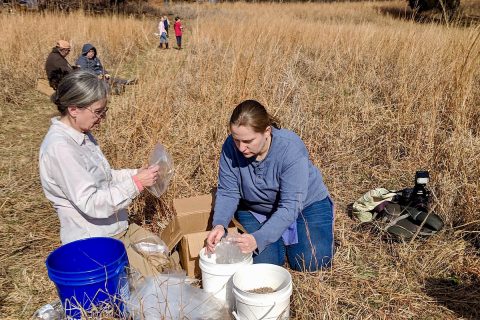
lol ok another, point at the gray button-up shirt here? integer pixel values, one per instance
(90, 197)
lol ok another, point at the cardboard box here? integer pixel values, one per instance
(187, 232)
(190, 247)
(44, 87)
(192, 215)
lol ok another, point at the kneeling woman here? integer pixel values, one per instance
(90, 197)
(268, 183)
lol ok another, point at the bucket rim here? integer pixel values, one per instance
(287, 285)
(113, 265)
(86, 279)
(285, 291)
(202, 254)
(110, 265)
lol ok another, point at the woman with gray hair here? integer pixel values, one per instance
(89, 196)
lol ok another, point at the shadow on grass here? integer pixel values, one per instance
(149, 211)
(473, 237)
(462, 297)
(432, 16)
(408, 14)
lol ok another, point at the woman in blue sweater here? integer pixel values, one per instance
(268, 183)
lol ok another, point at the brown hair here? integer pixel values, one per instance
(253, 114)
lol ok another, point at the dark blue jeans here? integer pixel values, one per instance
(314, 249)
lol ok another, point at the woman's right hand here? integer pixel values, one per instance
(214, 237)
(148, 175)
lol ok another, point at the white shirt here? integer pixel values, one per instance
(161, 27)
(90, 198)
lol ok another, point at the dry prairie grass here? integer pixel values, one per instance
(373, 97)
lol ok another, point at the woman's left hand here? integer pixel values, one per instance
(148, 175)
(246, 243)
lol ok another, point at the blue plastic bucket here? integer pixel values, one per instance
(90, 272)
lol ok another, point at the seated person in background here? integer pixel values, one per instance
(88, 60)
(57, 65)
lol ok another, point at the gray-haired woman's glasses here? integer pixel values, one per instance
(99, 113)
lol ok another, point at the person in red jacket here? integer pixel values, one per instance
(177, 26)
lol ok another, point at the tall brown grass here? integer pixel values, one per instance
(374, 98)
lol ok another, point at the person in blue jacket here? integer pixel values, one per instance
(88, 60)
(268, 183)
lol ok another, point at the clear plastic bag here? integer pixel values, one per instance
(151, 244)
(227, 250)
(156, 253)
(162, 158)
(172, 297)
(50, 311)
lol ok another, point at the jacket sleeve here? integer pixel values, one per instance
(228, 192)
(82, 62)
(66, 67)
(99, 67)
(57, 68)
(123, 174)
(78, 186)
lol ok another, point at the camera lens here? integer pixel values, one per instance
(422, 177)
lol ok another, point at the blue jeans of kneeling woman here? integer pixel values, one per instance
(314, 249)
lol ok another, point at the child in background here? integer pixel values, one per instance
(177, 26)
(163, 33)
(166, 23)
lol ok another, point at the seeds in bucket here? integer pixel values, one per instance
(262, 290)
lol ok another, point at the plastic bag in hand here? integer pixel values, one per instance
(227, 250)
(162, 158)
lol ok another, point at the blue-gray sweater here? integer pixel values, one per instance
(93, 64)
(275, 189)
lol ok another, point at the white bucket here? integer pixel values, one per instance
(253, 306)
(217, 278)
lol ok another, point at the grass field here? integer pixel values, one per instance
(374, 95)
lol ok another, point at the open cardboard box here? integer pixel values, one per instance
(189, 248)
(44, 87)
(188, 231)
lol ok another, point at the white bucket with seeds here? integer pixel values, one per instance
(262, 291)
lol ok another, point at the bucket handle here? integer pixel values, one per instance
(237, 317)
